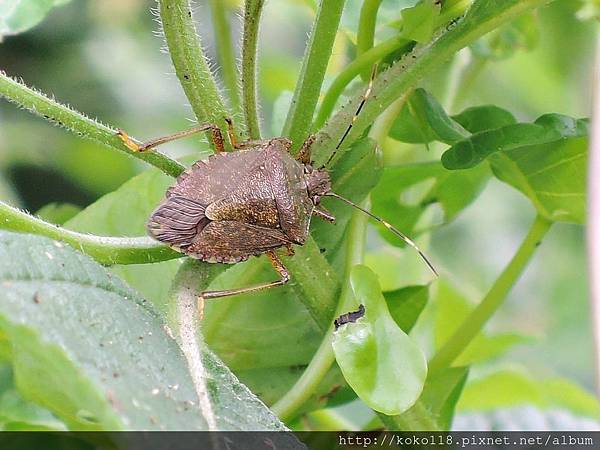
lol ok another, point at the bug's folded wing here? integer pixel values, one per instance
(231, 242)
(177, 221)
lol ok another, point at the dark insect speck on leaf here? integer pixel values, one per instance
(349, 317)
(245, 203)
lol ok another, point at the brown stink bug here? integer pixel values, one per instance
(245, 203)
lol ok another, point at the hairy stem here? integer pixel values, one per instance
(183, 319)
(190, 63)
(405, 74)
(314, 64)
(252, 15)
(323, 359)
(366, 30)
(315, 280)
(65, 117)
(225, 51)
(105, 250)
(474, 323)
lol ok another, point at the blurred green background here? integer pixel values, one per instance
(104, 58)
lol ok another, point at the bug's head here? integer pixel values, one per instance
(318, 183)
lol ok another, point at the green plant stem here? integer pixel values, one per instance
(366, 30)
(65, 117)
(405, 74)
(225, 51)
(191, 65)
(105, 250)
(417, 418)
(183, 319)
(314, 64)
(474, 323)
(324, 357)
(363, 62)
(252, 15)
(315, 281)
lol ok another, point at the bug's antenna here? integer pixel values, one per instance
(389, 227)
(358, 110)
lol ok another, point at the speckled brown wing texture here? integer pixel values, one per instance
(177, 221)
(181, 216)
(231, 242)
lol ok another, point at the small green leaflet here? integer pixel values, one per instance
(383, 365)
(17, 16)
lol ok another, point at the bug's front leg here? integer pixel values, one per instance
(277, 265)
(304, 154)
(217, 138)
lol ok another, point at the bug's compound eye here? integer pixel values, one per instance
(316, 199)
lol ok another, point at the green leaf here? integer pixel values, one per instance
(486, 117)
(520, 34)
(429, 110)
(546, 129)
(58, 213)
(452, 308)
(545, 160)
(16, 413)
(124, 212)
(406, 305)
(424, 120)
(516, 387)
(419, 21)
(406, 193)
(17, 16)
(106, 359)
(552, 176)
(374, 353)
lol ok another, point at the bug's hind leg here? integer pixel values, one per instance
(277, 265)
(217, 138)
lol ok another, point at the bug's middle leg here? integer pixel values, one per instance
(277, 265)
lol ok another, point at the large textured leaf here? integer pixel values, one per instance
(89, 348)
(20, 15)
(379, 361)
(124, 213)
(406, 193)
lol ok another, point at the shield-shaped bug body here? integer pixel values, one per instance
(244, 203)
